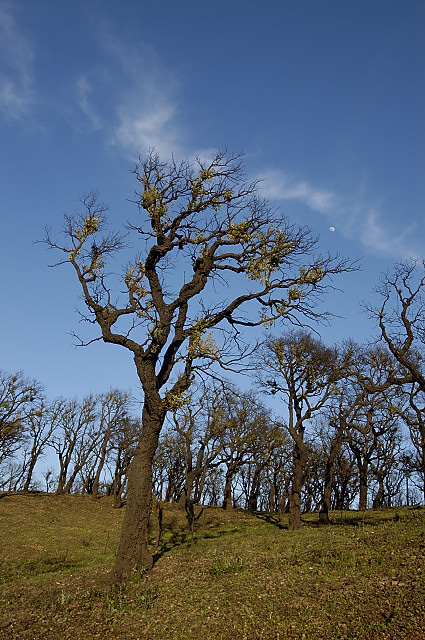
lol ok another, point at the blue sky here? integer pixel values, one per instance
(326, 99)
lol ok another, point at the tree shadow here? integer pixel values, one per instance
(183, 538)
(270, 519)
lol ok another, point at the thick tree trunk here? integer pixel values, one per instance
(300, 458)
(297, 483)
(133, 550)
(377, 500)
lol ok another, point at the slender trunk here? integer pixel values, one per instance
(363, 485)
(272, 496)
(329, 476)
(255, 489)
(29, 473)
(101, 464)
(227, 493)
(327, 494)
(295, 497)
(133, 550)
(191, 477)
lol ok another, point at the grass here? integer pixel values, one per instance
(243, 577)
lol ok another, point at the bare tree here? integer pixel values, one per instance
(198, 428)
(74, 440)
(41, 425)
(241, 425)
(305, 371)
(18, 400)
(114, 408)
(401, 320)
(203, 233)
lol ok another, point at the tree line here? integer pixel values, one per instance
(336, 438)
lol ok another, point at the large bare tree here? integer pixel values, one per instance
(214, 258)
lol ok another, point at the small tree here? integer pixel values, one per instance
(214, 258)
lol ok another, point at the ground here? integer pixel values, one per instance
(241, 576)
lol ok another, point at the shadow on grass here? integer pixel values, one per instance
(267, 517)
(182, 538)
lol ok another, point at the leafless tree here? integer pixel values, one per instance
(305, 371)
(19, 398)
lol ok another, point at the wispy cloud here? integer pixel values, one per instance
(354, 215)
(141, 111)
(146, 123)
(16, 78)
(374, 234)
(83, 93)
(278, 185)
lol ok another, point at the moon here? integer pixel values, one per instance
(331, 228)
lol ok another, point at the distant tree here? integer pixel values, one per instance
(345, 483)
(74, 440)
(124, 440)
(270, 440)
(198, 428)
(19, 397)
(240, 427)
(414, 417)
(401, 319)
(302, 369)
(369, 409)
(113, 412)
(41, 424)
(214, 258)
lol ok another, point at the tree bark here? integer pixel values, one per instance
(133, 551)
(297, 483)
(227, 493)
(363, 485)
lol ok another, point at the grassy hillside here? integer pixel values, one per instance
(242, 577)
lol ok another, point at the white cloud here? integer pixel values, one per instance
(141, 125)
(278, 185)
(356, 218)
(16, 79)
(374, 234)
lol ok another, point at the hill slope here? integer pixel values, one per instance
(242, 576)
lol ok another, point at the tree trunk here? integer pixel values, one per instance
(363, 486)
(327, 494)
(300, 458)
(377, 500)
(227, 494)
(30, 471)
(101, 464)
(255, 489)
(133, 550)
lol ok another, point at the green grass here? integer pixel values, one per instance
(243, 577)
